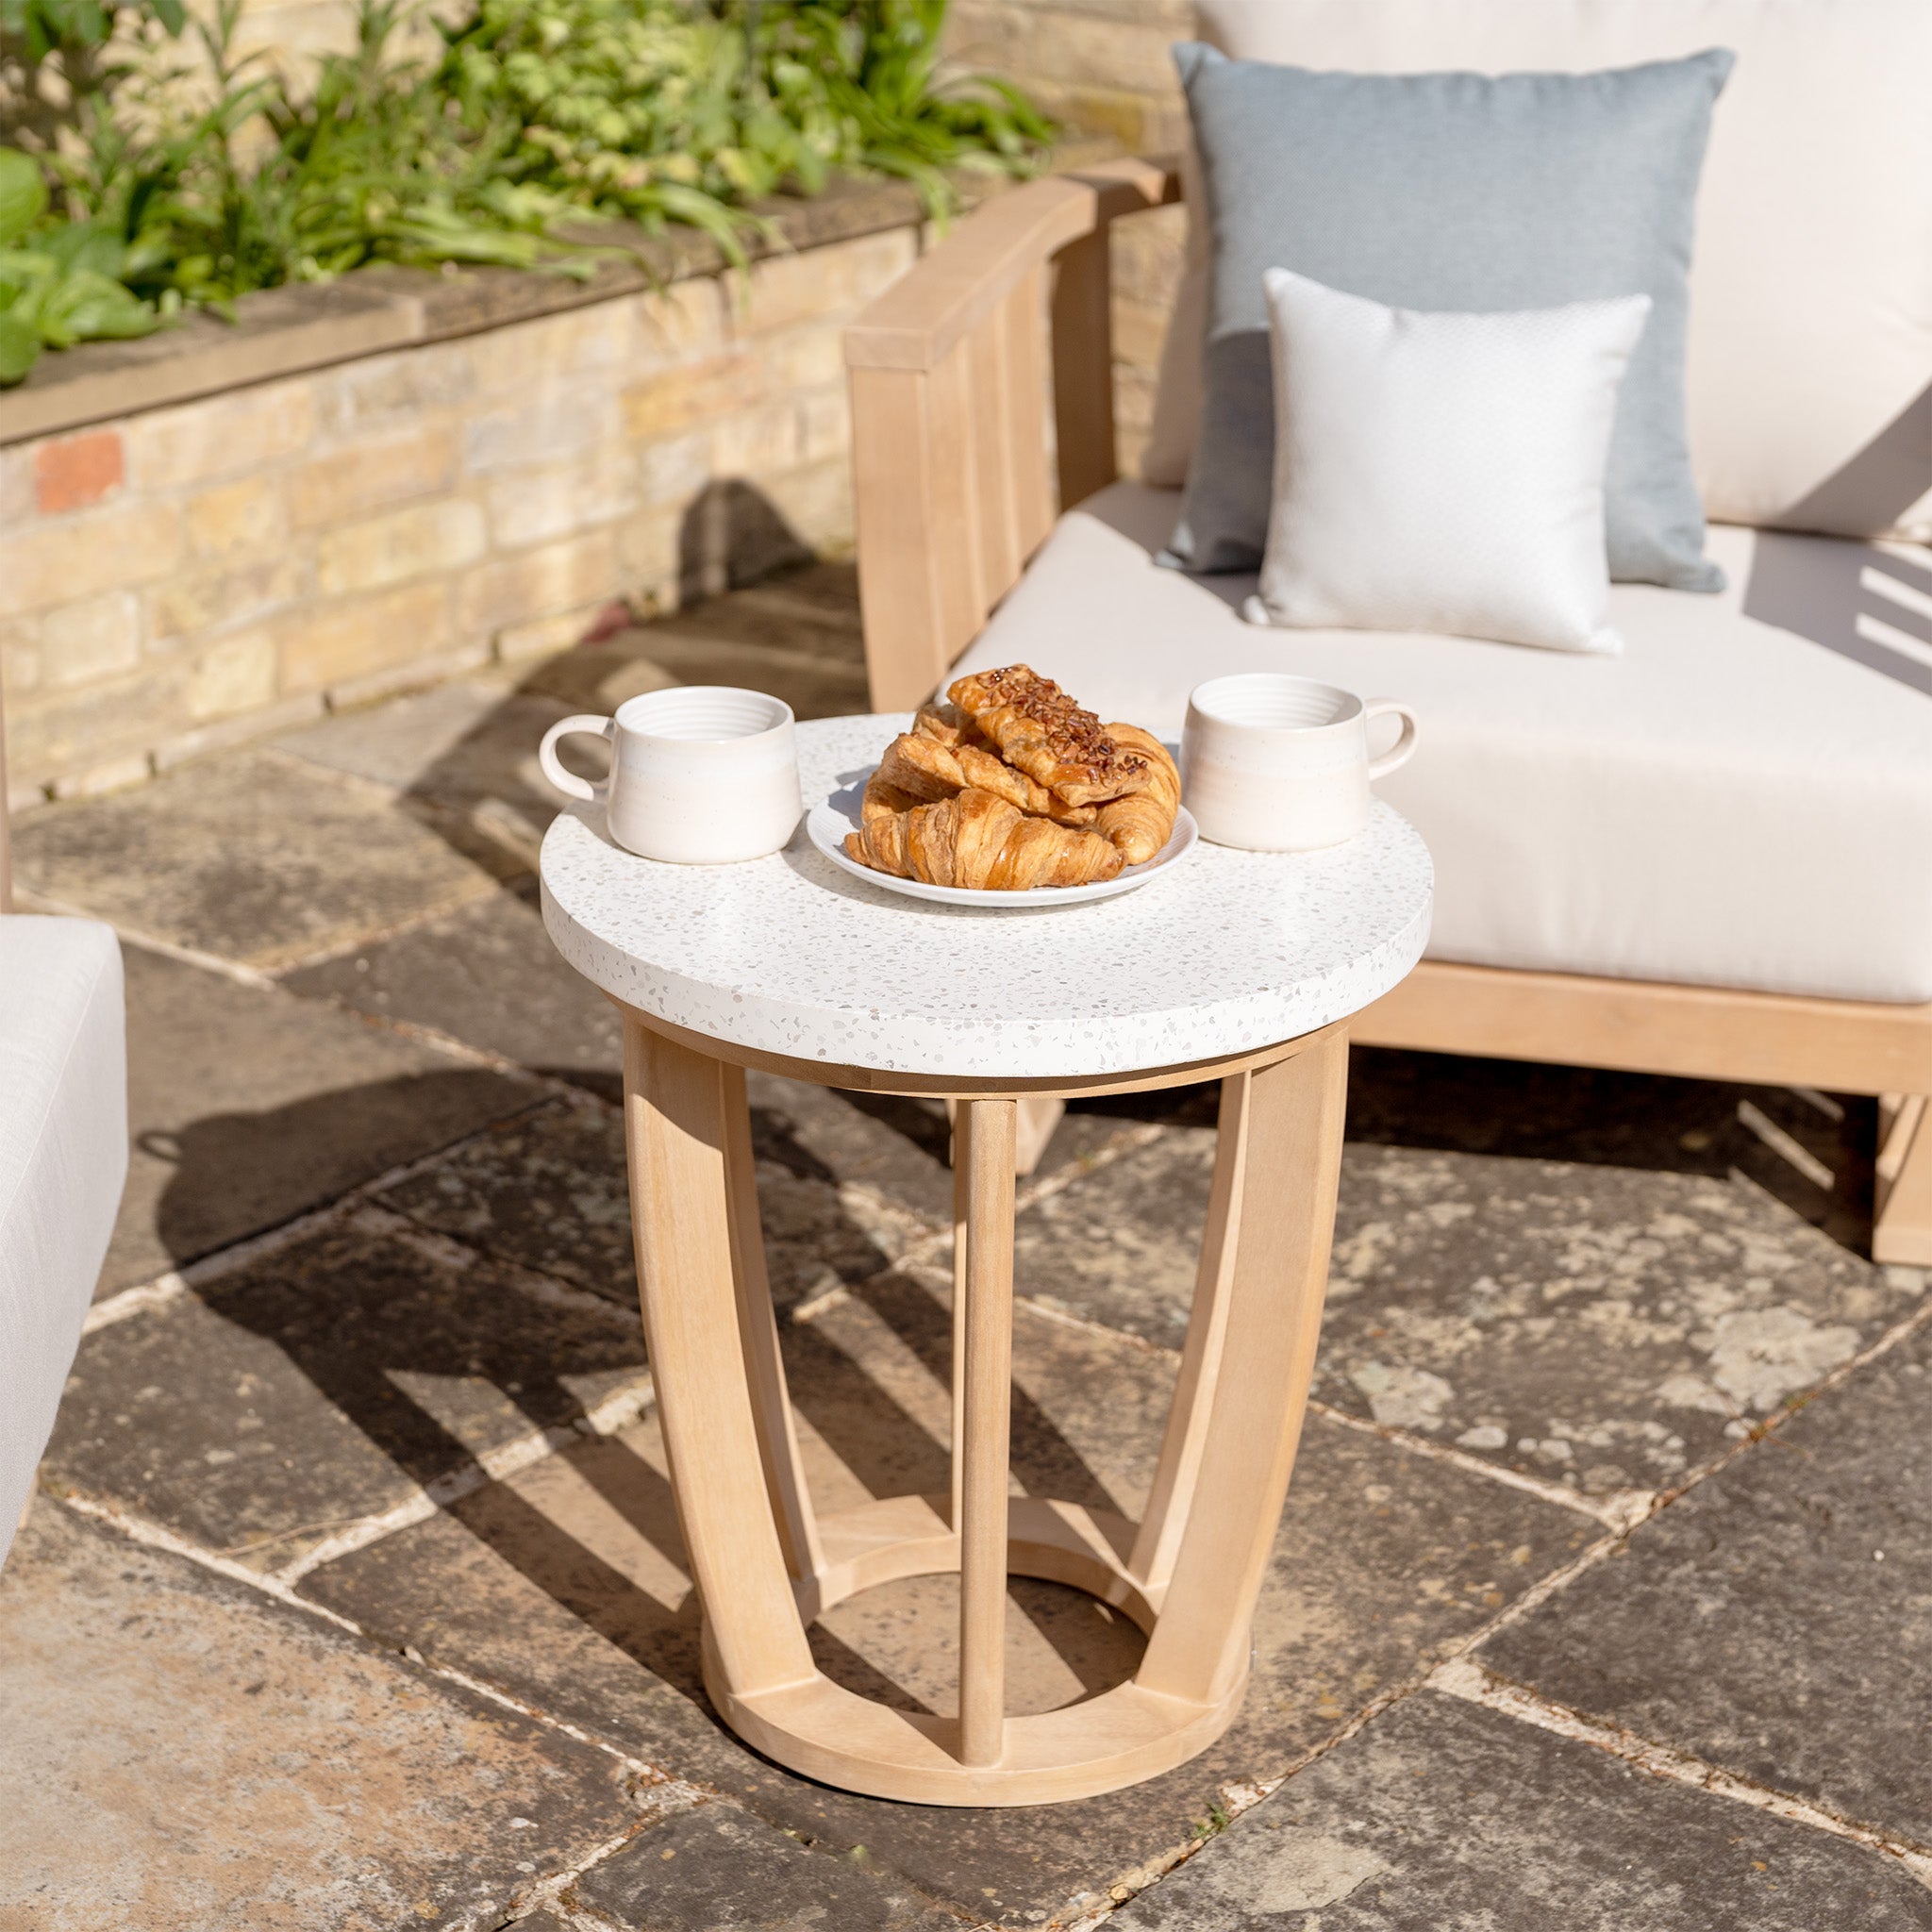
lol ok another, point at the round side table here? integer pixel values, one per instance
(1239, 967)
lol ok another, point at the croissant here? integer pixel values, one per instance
(976, 839)
(879, 800)
(946, 723)
(930, 771)
(1038, 728)
(1140, 824)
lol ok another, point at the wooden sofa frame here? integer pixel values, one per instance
(951, 373)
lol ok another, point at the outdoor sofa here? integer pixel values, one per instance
(63, 1159)
(1708, 856)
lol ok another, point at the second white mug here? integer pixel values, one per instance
(700, 774)
(1272, 762)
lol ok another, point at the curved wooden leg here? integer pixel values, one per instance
(1902, 1226)
(676, 1133)
(758, 1332)
(1283, 1225)
(1179, 1469)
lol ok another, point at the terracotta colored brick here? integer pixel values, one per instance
(703, 393)
(369, 475)
(119, 548)
(413, 542)
(77, 471)
(326, 645)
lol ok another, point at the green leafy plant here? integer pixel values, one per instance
(58, 286)
(199, 182)
(54, 55)
(256, 185)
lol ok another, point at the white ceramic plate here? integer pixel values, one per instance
(828, 821)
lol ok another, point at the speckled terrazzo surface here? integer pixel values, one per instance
(1230, 952)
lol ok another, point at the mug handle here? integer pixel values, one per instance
(1398, 752)
(568, 782)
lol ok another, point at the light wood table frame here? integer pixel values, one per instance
(765, 1565)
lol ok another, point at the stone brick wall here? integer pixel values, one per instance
(177, 577)
(1102, 68)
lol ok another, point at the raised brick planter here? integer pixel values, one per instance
(226, 527)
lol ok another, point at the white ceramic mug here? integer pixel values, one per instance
(1270, 762)
(700, 774)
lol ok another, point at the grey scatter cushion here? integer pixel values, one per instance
(1451, 191)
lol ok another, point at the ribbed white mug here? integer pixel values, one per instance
(1272, 762)
(700, 774)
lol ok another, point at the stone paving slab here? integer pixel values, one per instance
(462, 743)
(1601, 1326)
(564, 1584)
(322, 1382)
(254, 858)
(1777, 1621)
(1642, 1122)
(717, 1868)
(551, 1191)
(248, 1108)
(184, 1756)
(486, 975)
(1443, 1817)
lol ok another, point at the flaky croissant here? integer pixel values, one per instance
(1038, 728)
(978, 840)
(1140, 824)
(946, 723)
(931, 771)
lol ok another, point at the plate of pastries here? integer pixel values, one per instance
(1007, 792)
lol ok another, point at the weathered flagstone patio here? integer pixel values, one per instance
(353, 1596)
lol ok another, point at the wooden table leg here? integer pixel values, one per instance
(984, 1151)
(759, 1558)
(1179, 1468)
(677, 1131)
(757, 1331)
(1283, 1225)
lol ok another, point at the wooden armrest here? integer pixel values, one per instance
(952, 483)
(958, 283)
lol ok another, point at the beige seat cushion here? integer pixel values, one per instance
(1742, 799)
(1809, 370)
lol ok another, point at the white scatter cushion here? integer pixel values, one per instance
(1808, 374)
(1441, 471)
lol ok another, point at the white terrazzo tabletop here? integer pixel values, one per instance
(1227, 953)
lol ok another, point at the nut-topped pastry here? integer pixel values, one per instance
(1013, 787)
(1041, 731)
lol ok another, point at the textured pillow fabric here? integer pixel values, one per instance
(1810, 369)
(1443, 191)
(1443, 473)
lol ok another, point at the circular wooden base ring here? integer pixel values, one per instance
(822, 1730)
